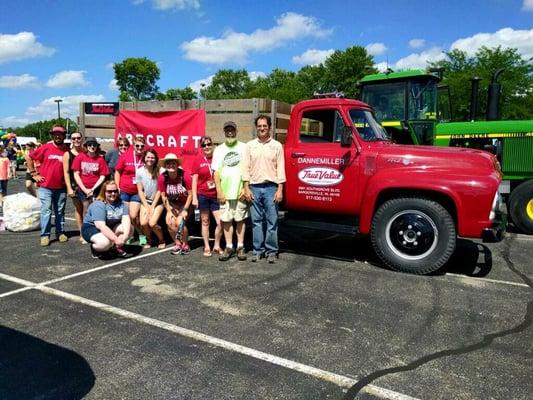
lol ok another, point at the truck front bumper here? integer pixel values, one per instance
(496, 232)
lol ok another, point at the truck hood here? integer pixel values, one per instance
(447, 159)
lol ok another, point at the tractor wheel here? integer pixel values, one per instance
(414, 235)
(521, 207)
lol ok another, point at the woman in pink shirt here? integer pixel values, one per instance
(90, 170)
(125, 171)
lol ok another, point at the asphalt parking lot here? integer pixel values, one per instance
(325, 322)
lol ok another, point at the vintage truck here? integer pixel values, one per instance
(344, 175)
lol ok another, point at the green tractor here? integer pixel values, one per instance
(415, 109)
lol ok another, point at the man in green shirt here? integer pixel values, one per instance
(227, 167)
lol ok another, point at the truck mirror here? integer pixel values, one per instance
(346, 137)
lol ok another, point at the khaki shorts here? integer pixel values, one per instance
(233, 210)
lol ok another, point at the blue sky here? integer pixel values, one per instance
(66, 48)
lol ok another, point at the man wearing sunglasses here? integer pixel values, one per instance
(52, 189)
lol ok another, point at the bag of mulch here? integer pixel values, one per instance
(22, 212)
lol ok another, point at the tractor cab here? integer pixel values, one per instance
(405, 103)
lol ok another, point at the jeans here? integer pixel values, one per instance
(264, 211)
(57, 199)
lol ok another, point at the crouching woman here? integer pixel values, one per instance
(107, 224)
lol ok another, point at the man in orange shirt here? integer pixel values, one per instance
(263, 177)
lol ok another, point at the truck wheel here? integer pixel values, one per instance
(414, 235)
(521, 207)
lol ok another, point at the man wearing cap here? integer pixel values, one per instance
(52, 191)
(264, 176)
(227, 167)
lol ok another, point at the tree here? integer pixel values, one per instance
(228, 84)
(516, 100)
(279, 85)
(343, 69)
(136, 79)
(41, 129)
(178, 94)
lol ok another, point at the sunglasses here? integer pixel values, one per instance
(111, 191)
(75, 138)
(139, 146)
(92, 145)
(206, 144)
(123, 145)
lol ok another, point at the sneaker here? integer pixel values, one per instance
(121, 252)
(131, 240)
(142, 240)
(225, 256)
(63, 238)
(271, 258)
(241, 255)
(185, 249)
(45, 241)
(176, 250)
(94, 253)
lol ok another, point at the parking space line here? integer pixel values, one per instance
(475, 279)
(339, 380)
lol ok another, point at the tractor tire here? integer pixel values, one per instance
(414, 235)
(521, 207)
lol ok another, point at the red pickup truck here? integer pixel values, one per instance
(344, 175)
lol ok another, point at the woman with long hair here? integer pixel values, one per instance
(204, 194)
(112, 156)
(90, 170)
(127, 165)
(76, 148)
(176, 200)
(107, 223)
(151, 209)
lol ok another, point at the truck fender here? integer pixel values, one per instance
(382, 187)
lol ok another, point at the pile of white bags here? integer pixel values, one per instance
(22, 212)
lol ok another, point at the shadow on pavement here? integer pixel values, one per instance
(31, 368)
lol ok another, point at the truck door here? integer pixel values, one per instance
(322, 174)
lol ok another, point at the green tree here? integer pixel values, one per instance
(228, 84)
(41, 129)
(279, 85)
(311, 78)
(177, 94)
(136, 79)
(343, 69)
(516, 100)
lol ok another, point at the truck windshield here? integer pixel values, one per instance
(367, 126)
(387, 99)
(422, 100)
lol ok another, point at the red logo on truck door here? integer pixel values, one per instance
(320, 176)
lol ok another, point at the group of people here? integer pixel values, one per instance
(9, 154)
(128, 191)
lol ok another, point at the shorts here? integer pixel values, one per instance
(29, 177)
(130, 197)
(80, 194)
(88, 230)
(13, 163)
(3, 186)
(207, 203)
(233, 210)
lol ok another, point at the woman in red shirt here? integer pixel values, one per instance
(127, 165)
(204, 194)
(176, 200)
(90, 170)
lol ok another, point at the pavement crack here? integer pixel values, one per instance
(485, 342)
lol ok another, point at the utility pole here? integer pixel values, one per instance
(58, 109)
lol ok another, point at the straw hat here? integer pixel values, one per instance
(169, 157)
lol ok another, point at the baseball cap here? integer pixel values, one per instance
(90, 140)
(230, 124)
(57, 130)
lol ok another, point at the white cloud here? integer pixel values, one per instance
(235, 47)
(376, 49)
(527, 5)
(419, 60)
(382, 66)
(14, 122)
(70, 106)
(506, 37)
(65, 79)
(417, 43)
(21, 46)
(112, 85)
(18, 81)
(171, 4)
(256, 74)
(200, 83)
(312, 57)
